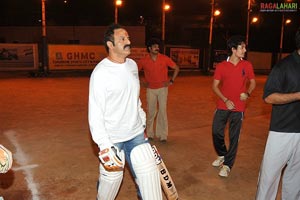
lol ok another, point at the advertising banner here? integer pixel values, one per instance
(185, 57)
(260, 60)
(18, 57)
(219, 56)
(138, 53)
(64, 57)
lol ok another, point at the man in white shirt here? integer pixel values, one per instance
(117, 121)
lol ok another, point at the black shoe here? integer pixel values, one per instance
(150, 138)
(163, 141)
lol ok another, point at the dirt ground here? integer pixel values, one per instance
(43, 121)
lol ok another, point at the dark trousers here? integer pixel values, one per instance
(220, 120)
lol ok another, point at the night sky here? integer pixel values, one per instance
(186, 24)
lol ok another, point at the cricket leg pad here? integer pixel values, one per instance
(109, 184)
(146, 171)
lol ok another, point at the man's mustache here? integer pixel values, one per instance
(127, 45)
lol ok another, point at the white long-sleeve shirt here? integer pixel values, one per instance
(115, 112)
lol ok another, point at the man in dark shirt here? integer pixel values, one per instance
(282, 150)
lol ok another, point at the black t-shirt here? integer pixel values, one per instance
(285, 78)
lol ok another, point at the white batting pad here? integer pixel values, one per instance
(147, 174)
(109, 184)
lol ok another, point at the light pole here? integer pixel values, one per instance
(118, 3)
(283, 23)
(165, 7)
(44, 39)
(248, 22)
(214, 13)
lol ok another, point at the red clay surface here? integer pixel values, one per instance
(43, 121)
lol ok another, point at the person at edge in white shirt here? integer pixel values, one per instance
(117, 121)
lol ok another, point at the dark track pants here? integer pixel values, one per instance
(220, 120)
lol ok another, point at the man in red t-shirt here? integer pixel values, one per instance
(155, 66)
(230, 85)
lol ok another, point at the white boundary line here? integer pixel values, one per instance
(22, 159)
(24, 167)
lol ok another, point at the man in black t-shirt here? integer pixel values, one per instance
(282, 150)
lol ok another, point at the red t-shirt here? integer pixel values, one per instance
(233, 82)
(156, 72)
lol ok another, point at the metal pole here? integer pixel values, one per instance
(44, 39)
(116, 14)
(248, 22)
(281, 36)
(43, 18)
(209, 57)
(211, 22)
(163, 26)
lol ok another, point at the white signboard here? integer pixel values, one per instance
(18, 57)
(185, 57)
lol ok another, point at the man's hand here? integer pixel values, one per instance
(144, 84)
(244, 96)
(112, 159)
(229, 104)
(168, 83)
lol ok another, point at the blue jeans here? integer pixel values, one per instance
(127, 146)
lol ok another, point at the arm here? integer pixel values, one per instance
(252, 85)
(110, 156)
(249, 91)
(176, 68)
(217, 91)
(142, 113)
(273, 90)
(281, 98)
(173, 65)
(143, 82)
(96, 111)
(176, 71)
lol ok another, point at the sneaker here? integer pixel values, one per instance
(224, 171)
(163, 141)
(218, 162)
(150, 138)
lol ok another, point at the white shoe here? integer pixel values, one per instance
(224, 171)
(218, 162)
